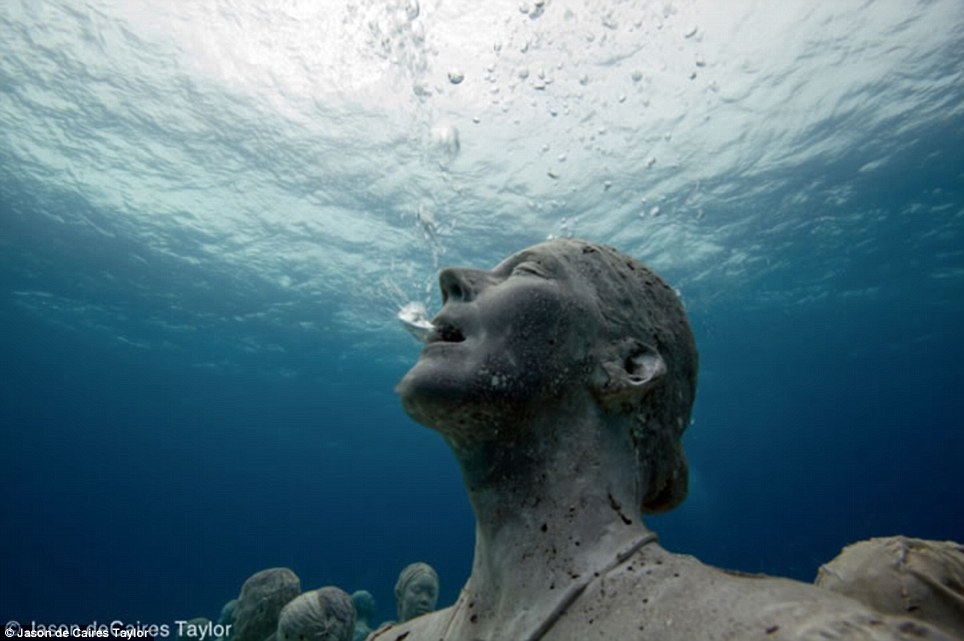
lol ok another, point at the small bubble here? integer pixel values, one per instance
(524, 8)
(622, 98)
(584, 80)
(562, 157)
(650, 161)
(637, 76)
(690, 31)
(607, 185)
(456, 76)
(523, 73)
(552, 174)
(654, 211)
(700, 61)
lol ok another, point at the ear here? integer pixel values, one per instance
(628, 371)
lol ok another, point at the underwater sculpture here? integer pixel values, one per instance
(416, 591)
(903, 576)
(364, 613)
(563, 380)
(259, 605)
(227, 614)
(325, 614)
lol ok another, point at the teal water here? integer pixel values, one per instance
(209, 216)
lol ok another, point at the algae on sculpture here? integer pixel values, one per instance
(563, 380)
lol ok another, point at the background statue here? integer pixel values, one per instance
(364, 614)
(325, 614)
(416, 591)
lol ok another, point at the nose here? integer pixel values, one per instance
(461, 285)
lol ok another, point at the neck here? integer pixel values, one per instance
(555, 504)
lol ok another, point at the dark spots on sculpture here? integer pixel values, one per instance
(545, 527)
(772, 629)
(474, 618)
(402, 636)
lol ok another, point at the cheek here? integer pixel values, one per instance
(543, 348)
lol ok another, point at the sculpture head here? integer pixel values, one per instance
(364, 605)
(416, 591)
(325, 614)
(558, 324)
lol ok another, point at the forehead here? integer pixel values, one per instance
(545, 254)
(422, 581)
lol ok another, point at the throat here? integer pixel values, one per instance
(528, 612)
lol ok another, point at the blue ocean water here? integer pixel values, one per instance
(210, 215)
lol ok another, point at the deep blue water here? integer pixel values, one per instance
(192, 391)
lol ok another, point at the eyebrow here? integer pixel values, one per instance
(527, 257)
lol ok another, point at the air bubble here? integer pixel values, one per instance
(414, 318)
(446, 138)
(456, 76)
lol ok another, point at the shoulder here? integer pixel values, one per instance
(428, 626)
(669, 597)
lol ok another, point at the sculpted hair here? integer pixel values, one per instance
(635, 303)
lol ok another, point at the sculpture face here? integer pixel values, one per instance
(506, 340)
(419, 597)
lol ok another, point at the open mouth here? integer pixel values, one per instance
(446, 333)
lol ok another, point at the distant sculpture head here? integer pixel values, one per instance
(416, 591)
(325, 614)
(561, 323)
(364, 606)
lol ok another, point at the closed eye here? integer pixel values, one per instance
(528, 269)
